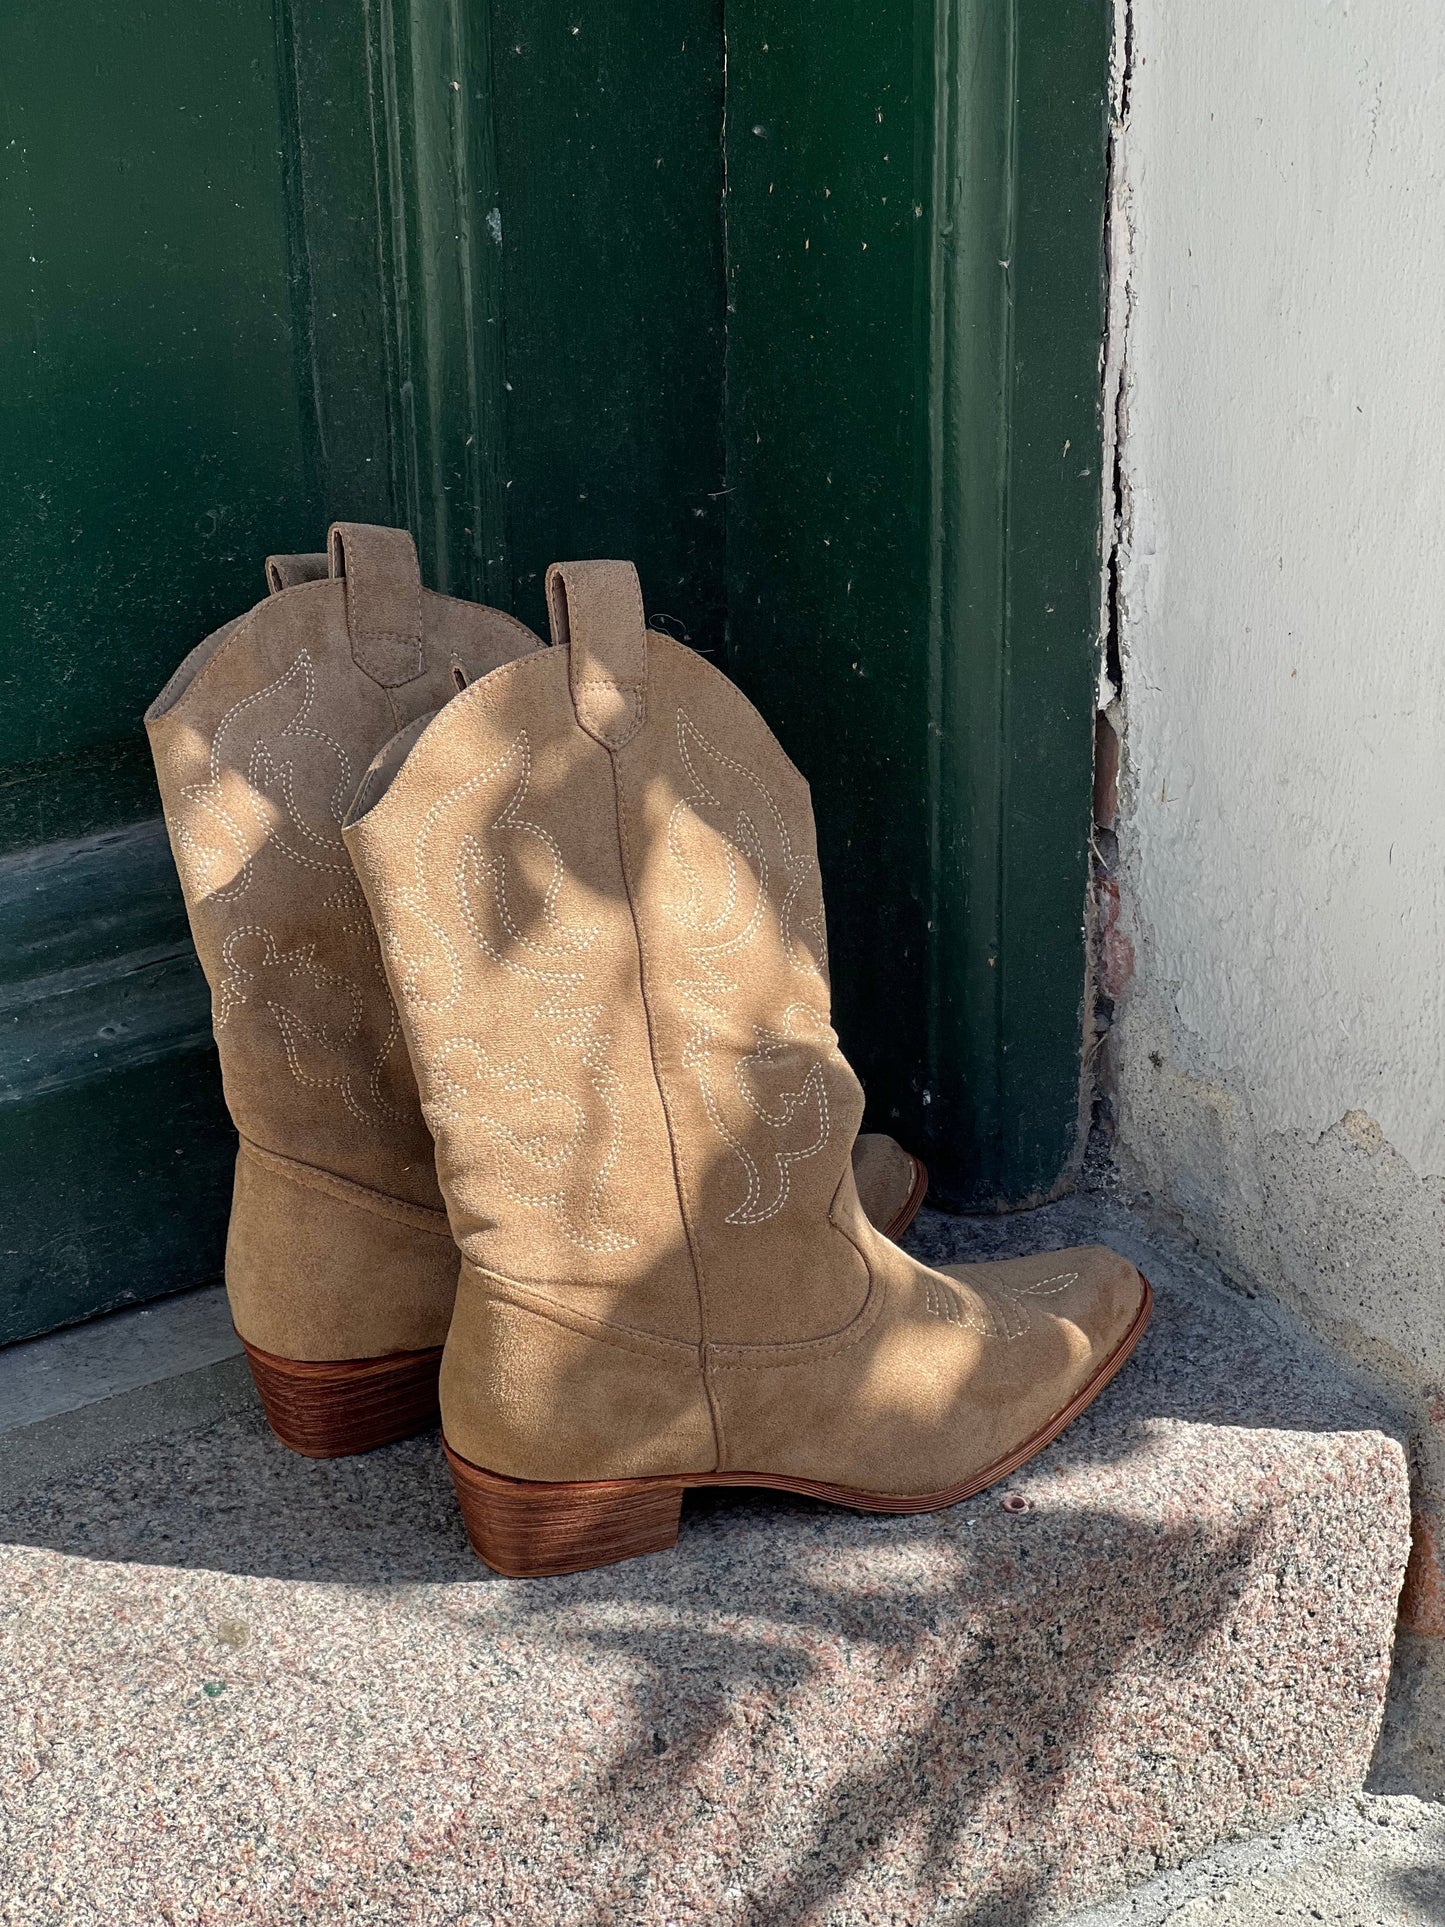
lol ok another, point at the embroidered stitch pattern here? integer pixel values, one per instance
(781, 1083)
(277, 786)
(1008, 1311)
(250, 766)
(540, 1133)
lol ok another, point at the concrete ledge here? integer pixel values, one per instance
(121, 1352)
(68, 1440)
(271, 1689)
(1374, 1862)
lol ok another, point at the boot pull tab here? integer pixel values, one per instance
(596, 613)
(286, 571)
(383, 599)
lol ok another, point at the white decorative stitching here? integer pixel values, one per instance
(1005, 1313)
(207, 799)
(322, 1037)
(536, 1126)
(316, 1050)
(717, 938)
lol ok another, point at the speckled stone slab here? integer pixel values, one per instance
(236, 1686)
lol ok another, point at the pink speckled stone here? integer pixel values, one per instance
(241, 1687)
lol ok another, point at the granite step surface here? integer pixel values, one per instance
(239, 1686)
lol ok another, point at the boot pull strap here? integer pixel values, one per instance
(286, 571)
(383, 599)
(596, 612)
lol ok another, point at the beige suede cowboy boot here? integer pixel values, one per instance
(892, 1183)
(668, 1280)
(340, 1266)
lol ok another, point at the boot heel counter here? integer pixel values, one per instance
(530, 1395)
(319, 1269)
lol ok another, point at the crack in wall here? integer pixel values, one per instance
(1118, 260)
(1110, 952)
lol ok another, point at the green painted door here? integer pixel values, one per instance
(822, 356)
(151, 449)
(916, 311)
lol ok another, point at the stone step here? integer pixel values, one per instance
(252, 1687)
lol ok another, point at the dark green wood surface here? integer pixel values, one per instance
(825, 365)
(915, 249)
(152, 449)
(507, 254)
(115, 1149)
(150, 440)
(610, 169)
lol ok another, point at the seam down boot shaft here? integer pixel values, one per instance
(645, 1150)
(340, 1266)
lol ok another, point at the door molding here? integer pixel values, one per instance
(917, 294)
(395, 243)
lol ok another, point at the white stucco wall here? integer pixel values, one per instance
(1284, 607)
(1279, 1055)
(1280, 1052)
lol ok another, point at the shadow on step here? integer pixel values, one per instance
(973, 1707)
(806, 1714)
(851, 1697)
(230, 1498)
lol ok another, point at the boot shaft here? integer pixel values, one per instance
(259, 741)
(596, 881)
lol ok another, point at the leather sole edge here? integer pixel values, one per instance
(335, 1408)
(525, 1529)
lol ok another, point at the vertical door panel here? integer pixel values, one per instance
(150, 437)
(915, 276)
(610, 183)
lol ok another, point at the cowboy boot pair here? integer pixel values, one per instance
(340, 1263)
(595, 881)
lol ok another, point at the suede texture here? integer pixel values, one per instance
(260, 739)
(370, 1272)
(884, 1174)
(647, 1153)
(535, 1388)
